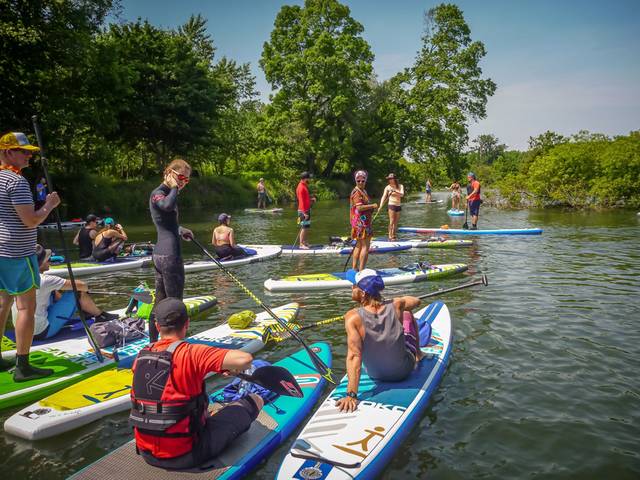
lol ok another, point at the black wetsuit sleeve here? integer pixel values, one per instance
(167, 202)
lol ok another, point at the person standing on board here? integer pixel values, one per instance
(262, 194)
(167, 254)
(473, 199)
(361, 221)
(393, 193)
(381, 335)
(85, 237)
(455, 195)
(428, 191)
(19, 277)
(304, 208)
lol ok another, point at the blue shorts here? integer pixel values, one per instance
(19, 275)
(302, 222)
(474, 207)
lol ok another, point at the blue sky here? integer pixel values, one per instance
(563, 65)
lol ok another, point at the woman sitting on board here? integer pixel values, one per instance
(382, 335)
(224, 241)
(109, 242)
(392, 193)
(455, 195)
(54, 295)
(361, 228)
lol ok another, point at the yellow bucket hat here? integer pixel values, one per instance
(14, 140)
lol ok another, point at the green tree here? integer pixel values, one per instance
(444, 89)
(320, 66)
(488, 148)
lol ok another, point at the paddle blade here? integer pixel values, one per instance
(276, 379)
(144, 297)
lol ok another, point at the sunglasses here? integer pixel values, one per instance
(181, 177)
(361, 181)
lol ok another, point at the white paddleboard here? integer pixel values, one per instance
(264, 252)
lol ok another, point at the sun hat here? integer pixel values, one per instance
(42, 253)
(15, 140)
(367, 280)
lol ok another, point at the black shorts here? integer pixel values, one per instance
(224, 251)
(220, 430)
(474, 207)
(395, 208)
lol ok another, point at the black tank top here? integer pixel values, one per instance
(85, 242)
(104, 243)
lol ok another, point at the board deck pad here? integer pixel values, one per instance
(276, 421)
(335, 445)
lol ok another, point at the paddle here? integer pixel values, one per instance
(465, 225)
(274, 378)
(144, 297)
(483, 281)
(317, 361)
(43, 161)
(277, 335)
(297, 238)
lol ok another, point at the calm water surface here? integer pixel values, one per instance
(543, 379)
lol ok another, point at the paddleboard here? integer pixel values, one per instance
(335, 445)
(455, 213)
(263, 210)
(72, 360)
(108, 392)
(423, 202)
(391, 276)
(94, 268)
(264, 252)
(65, 225)
(460, 231)
(377, 247)
(436, 242)
(274, 424)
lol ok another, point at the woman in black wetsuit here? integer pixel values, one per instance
(167, 254)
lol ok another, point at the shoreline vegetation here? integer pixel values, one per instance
(119, 99)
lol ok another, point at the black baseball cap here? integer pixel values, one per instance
(305, 175)
(171, 312)
(91, 218)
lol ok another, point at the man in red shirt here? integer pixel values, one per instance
(169, 404)
(473, 199)
(304, 208)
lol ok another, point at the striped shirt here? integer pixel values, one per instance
(16, 240)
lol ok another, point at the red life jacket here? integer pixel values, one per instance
(166, 422)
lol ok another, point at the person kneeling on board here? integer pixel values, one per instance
(382, 335)
(51, 292)
(172, 424)
(224, 241)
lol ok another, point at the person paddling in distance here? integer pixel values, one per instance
(361, 221)
(85, 237)
(173, 426)
(262, 194)
(54, 290)
(304, 208)
(427, 190)
(381, 335)
(167, 254)
(393, 193)
(223, 240)
(19, 276)
(455, 195)
(473, 199)
(109, 242)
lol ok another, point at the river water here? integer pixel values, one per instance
(543, 379)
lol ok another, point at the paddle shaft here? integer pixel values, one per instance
(483, 281)
(74, 286)
(317, 361)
